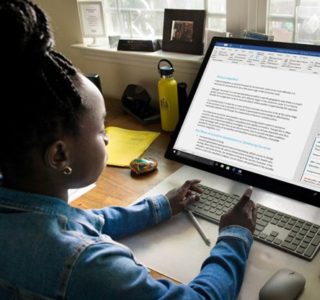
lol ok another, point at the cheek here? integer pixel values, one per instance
(97, 163)
(96, 152)
(101, 152)
(106, 157)
(105, 154)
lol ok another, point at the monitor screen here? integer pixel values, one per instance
(254, 117)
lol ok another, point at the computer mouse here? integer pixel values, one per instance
(283, 285)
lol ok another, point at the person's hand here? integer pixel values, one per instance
(244, 213)
(180, 197)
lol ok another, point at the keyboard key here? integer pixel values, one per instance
(300, 223)
(314, 229)
(262, 223)
(296, 242)
(262, 235)
(274, 222)
(291, 234)
(285, 219)
(274, 233)
(266, 219)
(277, 216)
(288, 239)
(259, 227)
(288, 245)
(310, 234)
(316, 240)
(295, 229)
(256, 232)
(261, 208)
(303, 231)
(270, 238)
(300, 250)
(299, 236)
(269, 213)
(307, 240)
(288, 226)
(291, 222)
(277, 241)
(306, 226)
(281, 224)
(310, 250)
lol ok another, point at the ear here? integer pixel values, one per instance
(57, 155)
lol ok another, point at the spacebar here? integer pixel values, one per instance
(208, 215)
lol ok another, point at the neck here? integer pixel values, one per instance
(32, 185)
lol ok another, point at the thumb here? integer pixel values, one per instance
(245, 197)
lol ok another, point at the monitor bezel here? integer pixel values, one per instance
(276, 186)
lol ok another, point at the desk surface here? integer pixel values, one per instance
(110, 189)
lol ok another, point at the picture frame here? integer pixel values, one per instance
(183, 31)
(91, 19)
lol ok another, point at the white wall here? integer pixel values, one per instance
(116, 70)
(63, 16)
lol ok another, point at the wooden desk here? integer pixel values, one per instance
(116, 186)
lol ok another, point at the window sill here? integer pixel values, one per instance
(180, 61)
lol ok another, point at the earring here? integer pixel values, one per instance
(67, 170)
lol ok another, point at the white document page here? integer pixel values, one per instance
(74, 194)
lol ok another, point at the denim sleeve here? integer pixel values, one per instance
(223, 271)
(123, 221)
(109, 271)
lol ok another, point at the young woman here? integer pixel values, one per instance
(53, 139)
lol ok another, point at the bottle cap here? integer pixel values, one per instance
(165, 70)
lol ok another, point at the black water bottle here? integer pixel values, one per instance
(182, 99)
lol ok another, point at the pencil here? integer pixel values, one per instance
(198, 227)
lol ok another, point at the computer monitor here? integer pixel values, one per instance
(254, 117)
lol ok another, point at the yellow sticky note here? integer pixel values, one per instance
(126, 145)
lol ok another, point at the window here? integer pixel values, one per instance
(295, 20)
(144, 18)
(287, 20)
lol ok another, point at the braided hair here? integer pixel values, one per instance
(40, 85)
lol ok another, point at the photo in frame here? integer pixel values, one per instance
(91, 18)
(183, 30)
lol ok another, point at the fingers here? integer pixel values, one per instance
(191, 192)
(191, 184)
(191, 197)
(180, 197)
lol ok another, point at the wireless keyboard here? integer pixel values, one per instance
(277, 229)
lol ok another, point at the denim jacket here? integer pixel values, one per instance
(50, 250)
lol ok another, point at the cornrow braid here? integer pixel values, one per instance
(57, 74)
(42, 84)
